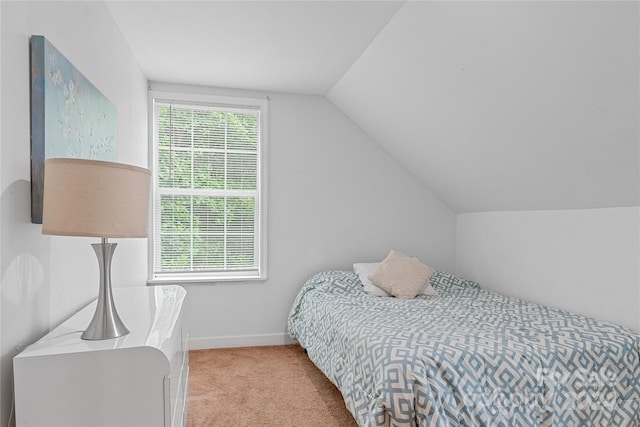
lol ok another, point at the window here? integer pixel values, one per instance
(208, 192)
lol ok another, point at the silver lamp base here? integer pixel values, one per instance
(106, 323)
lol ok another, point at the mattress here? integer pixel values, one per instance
(466, 357)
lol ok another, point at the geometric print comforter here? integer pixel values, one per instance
(466, 357)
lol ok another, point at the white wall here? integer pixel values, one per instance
(334, 198)
(45, 279)
(586, 261)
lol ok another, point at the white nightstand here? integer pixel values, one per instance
(140, 379)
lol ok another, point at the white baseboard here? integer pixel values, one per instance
(240, 341)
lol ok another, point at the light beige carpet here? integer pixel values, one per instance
(274, 386)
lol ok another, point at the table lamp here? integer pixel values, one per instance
(97, 199)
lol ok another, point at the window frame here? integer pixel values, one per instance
(261, 104)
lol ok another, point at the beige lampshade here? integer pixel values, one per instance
(95, 198)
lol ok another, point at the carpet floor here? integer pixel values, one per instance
(274, 386)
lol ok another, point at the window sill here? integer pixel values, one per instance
(203, 280)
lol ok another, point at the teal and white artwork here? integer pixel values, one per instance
(69, 116)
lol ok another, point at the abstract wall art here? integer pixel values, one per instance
(69, 116)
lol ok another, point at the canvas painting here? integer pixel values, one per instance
(69, 117)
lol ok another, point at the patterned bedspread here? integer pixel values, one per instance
(467, 357)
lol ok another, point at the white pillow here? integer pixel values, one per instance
(364, 269)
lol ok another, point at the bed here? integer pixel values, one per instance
(465, 357)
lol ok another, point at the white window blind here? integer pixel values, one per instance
(207, 201)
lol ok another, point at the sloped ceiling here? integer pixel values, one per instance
(506, 105)
(283, 46)
(492, 105)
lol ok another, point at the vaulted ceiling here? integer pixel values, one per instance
(492, 105)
